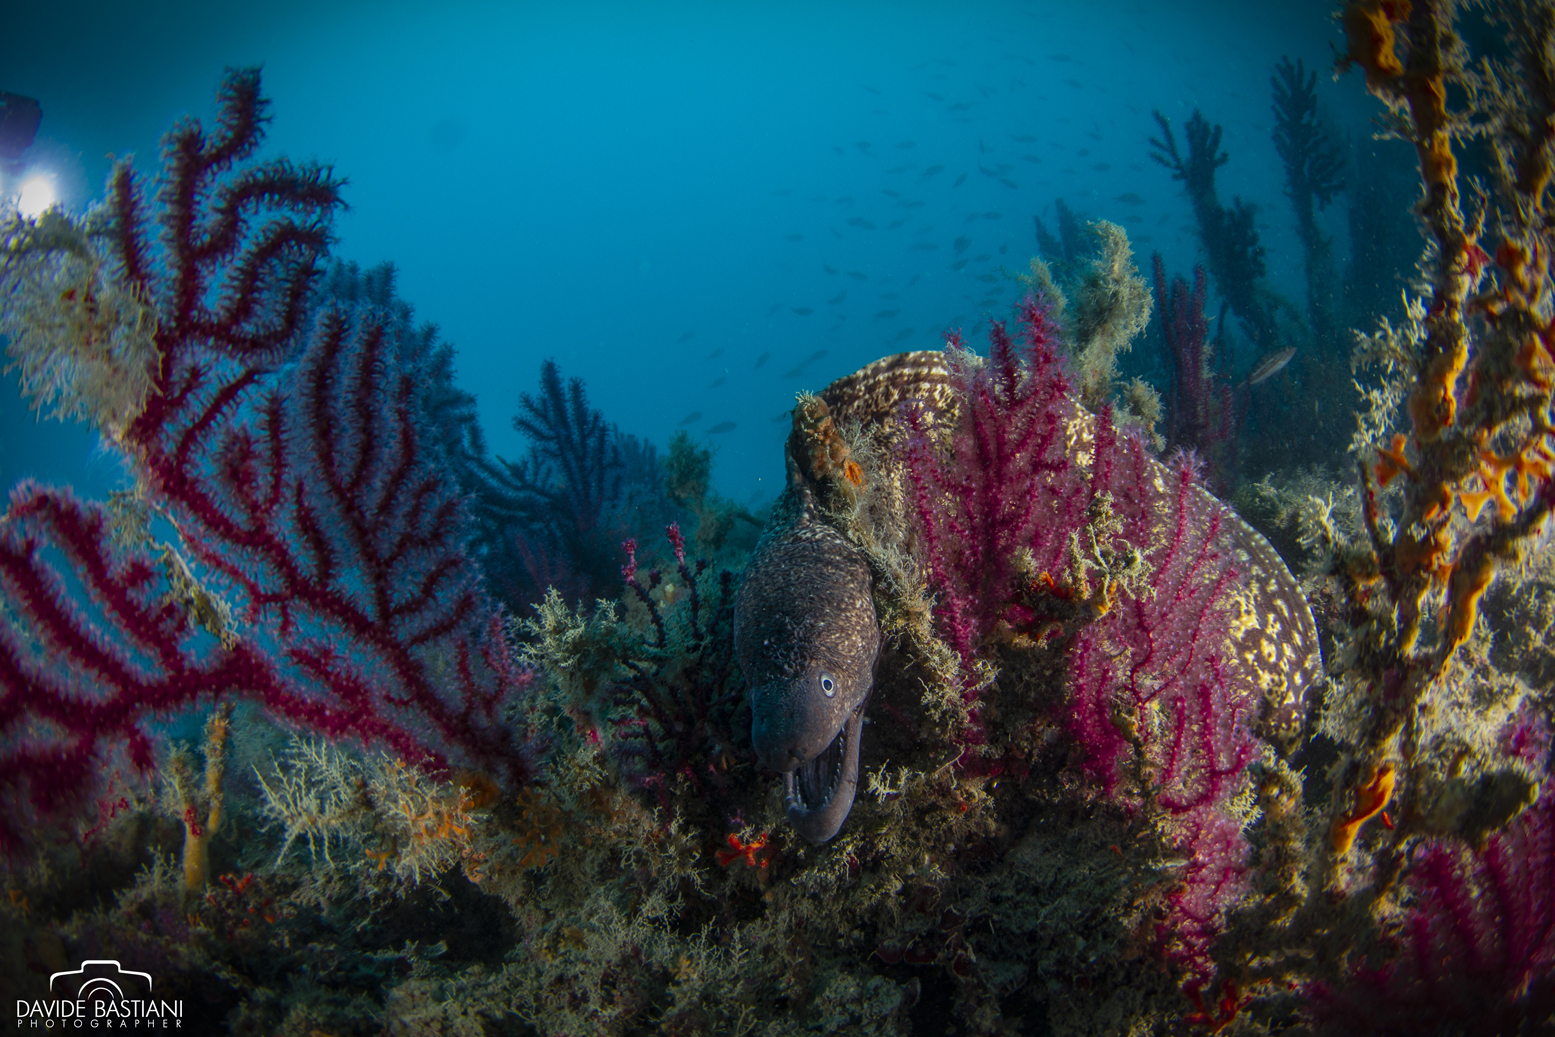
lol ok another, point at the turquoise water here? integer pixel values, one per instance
(596, 183)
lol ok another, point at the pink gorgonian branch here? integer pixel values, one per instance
(287, 448)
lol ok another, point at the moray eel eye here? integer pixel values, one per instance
(828, 685)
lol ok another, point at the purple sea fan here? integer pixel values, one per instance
(1183, 623)
(1475, 946)
(1005, 483)
(1159, 693)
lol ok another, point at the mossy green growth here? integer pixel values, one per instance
(1102, 304)
(688, 477)
(688, 471)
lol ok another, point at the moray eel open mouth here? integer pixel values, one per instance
(818, 794)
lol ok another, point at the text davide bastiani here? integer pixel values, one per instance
(100, 1013)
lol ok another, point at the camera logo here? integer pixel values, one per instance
(99, 978)
(101, 994)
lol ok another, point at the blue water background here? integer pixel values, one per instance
(653, 193)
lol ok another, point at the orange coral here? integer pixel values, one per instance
(1469, 581)
(1370, 798)
(1368, 27)
(1393, 462)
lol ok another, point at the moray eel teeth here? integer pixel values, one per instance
(818, 794)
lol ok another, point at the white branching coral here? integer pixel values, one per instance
(83, 339)
(383, 813)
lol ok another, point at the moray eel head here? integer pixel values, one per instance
(807, 638)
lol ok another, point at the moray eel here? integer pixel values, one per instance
(807, 637)
(806, 633)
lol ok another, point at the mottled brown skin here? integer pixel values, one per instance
(807, 636)
(805, 613)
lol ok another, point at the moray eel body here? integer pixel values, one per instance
(807, 637)
(805, 628)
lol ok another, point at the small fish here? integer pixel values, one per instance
(962, 244)
(905, 333)
(691, 418)
(933, 171)
(1102, 167)
(862, 145)
(1129, 198)
(715, 354)
(795, 373)
(871, 89)
(889, 191)
(719, 381)
(886, 314)
(828, 269)
(818, 354)
(958, 264)
(858, 275)
(1023, 138)
(837, 300)
(859, 221)
(1036, 159)
(788, 414)
(1075, 83)
(959, 106)
(685, 336)
(803, 311)
(959, 180)
(1270, 365)
(895, 224)
(933, 97)
(763, 358)
(914, 279)
(722, 426)
(793, 237)
(1007, 182)
(907, 144)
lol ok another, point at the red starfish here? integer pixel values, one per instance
(738, 850)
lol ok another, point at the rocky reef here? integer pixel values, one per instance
(1130, 766)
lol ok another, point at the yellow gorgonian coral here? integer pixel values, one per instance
(83, 339)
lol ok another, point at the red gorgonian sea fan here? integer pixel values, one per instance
(1182, 625)
(284, 444)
